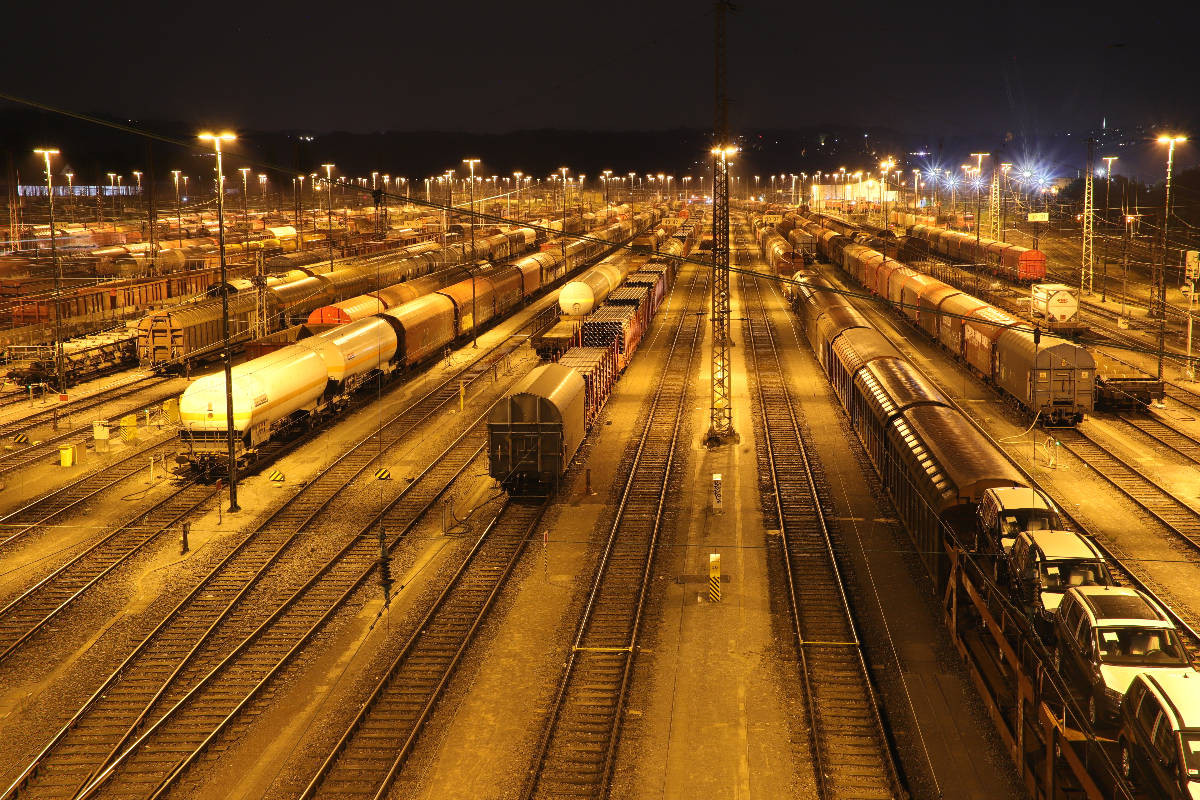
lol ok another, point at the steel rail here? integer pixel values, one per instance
(576, 751)
(369, 755)
(156, 753)
(186, 626)
(852, 753)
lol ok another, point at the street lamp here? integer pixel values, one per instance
(141, 200)
(329, 192)
(45, 153)
(563, 240)
(216, 139)
(518, 176)
(471, 162)
(262, 189)
(245, 193)
(1170, 142)
(112, 191)
(178, 213)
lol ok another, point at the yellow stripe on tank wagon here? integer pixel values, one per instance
(219, 413)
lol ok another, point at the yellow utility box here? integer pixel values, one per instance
(68, 455)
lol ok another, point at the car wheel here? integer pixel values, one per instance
(1126, 762)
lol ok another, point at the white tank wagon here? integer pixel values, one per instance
(1053, 302)
(353, 351)
(536, 429)
(583, 295)
(268, 393)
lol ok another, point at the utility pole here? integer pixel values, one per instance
(45, 153)
(1107, 236)
(1086, 268)
(216, 139)
(994, 221)
(471, 162)
(563, 240)
(721, 406)
(1170, 141)
(329, 185)
(1004, 168)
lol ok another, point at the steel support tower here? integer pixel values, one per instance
(1089, 217)
(721, 406)
(721, 426)
(994, 206)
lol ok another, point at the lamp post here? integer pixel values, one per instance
(45, 153)
(471, 162)
(518, 176)
(1170, 142)
(886, 167)
(448, 176)
(216, 139)
(178, 213)
(245, 193)
(329, 191)
(563, 240)
(141, 203)
(1107, 191)
(607, 208)
(262, 189)
(112, 192)
(1004, 168)
(300, 207)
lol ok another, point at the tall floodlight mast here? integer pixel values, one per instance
(721, 407)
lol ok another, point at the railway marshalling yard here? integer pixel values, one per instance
(564, 646)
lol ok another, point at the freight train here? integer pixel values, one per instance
(1007, 260)
(315, 377)
(960, 498)
(535, 431)
(1051, 378)
(172, 337)
(84, 358)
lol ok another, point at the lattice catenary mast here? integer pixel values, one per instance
(721, 408)
(1089, 217)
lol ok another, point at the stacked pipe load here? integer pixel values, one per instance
(609, 324)
(656, 282)
(599, 369)
(635, 296)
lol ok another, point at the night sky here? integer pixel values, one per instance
(490, 67)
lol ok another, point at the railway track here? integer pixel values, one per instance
(20, 458)
(46, 509)
(369, 755)
(49, 415)
(31, 611)
(575, 755)
(851, 752)
(110, 714)
(1168, 436)
(241, 657)
(1176, 516)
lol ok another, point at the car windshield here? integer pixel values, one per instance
(1027, 519)
(1191, 755)
(1158, 647)
(1058, 576)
